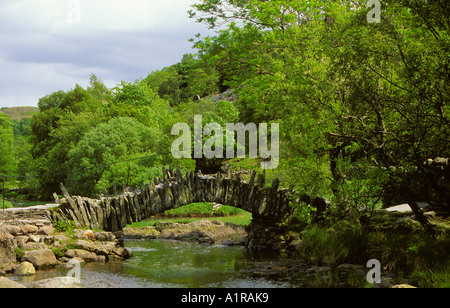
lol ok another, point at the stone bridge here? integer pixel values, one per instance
(268, 205)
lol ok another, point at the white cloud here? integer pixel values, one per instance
(43, 52)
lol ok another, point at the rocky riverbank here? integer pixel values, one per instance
(283, 265)
(203, 232)
(28, 245)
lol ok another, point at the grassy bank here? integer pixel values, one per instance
(409, 256)
(7, 204)
(199, 211)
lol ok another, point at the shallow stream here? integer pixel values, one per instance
(166, 263)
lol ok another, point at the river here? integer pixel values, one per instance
(177, 264)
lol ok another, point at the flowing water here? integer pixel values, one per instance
(165, 263)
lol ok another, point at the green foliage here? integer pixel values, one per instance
(203, 209)
(361, 106)
(344, 91)
(190, 79)
(19, 253)
(340, 243)
(64, 226)
(135, 94)
(84, 128)
(436, 278)
(222, 112)
(108, 143)
(199, 211)
(7, 161)
(8, 204)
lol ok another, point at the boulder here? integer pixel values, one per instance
(57, 283)
(21, 239)
(6, 283)
(100, 259)
(89, 235)
(104, 236)
(9, 268)
(13, 230)
(8, 247)
(122, 252)
(104, 248)
(82, 254)
(29, 229)
(89, 246)
(25, 269)
(47, 231)
(33, 238)
(99, 248)
(32, 245)
(41, 259)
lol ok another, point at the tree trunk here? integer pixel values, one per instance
(429, 228)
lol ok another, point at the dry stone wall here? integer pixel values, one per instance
(269, 204)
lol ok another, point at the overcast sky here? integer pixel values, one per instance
(50, 45)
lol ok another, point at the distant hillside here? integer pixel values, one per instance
(17, 113)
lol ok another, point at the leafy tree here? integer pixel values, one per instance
(136, 94)
(222, 112)
(7, 162)
(63, 119)
(167, 82)
(191, 78)
(118, 139)
(344, 91)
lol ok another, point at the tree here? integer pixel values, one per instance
(221, 113)
(63, 119)
(136, 94)
(188, 79)
(7, 154)
(95, 155)
(346, 92)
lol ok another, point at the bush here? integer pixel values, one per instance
(64, 226)
(439, 278)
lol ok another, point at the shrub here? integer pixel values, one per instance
(64, 226)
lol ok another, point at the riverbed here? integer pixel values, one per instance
(177, 264)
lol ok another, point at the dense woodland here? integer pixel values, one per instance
(361, 106)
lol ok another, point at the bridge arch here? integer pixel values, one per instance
(268, 205)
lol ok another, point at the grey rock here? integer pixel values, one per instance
(57, 283)
(6, 283)
(7, 248)
(41, 259)
(25, 269)
(82, 254)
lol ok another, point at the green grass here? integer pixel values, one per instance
(8, 204)
(203, 209)
(432, 278)
(199, 211)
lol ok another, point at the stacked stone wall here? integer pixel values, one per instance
(269, 204)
